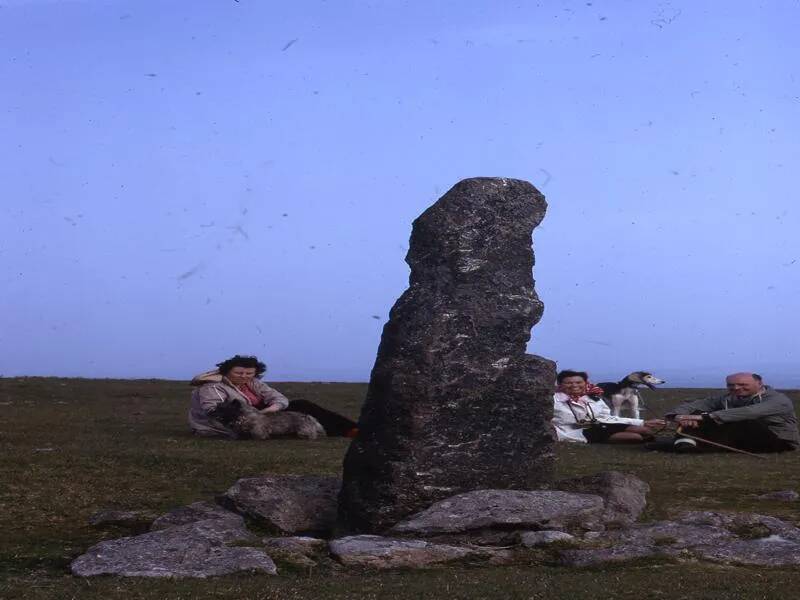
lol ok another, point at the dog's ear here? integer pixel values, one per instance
(637, 376)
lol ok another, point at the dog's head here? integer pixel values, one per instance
(645, 378)
(227, 412)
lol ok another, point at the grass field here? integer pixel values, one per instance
(71, 447)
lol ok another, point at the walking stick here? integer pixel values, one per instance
(681, 432)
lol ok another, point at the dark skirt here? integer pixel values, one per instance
(335, 425)
(599, 433)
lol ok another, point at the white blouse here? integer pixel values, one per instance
(568, 416)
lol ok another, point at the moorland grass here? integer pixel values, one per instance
(71, 447)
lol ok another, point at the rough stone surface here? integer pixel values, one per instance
(378, 552)
(505, 510)
(195, 550)
(745, 525)
(532, 539)
(197, 511)
(771, 551)
(454, 404)
(745, 539)
(286, 503)
(132, 519)
(624, 495)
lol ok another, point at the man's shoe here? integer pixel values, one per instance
(684, 445)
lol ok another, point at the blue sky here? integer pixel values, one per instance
(188, 180)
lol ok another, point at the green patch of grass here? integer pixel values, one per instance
(71, 447)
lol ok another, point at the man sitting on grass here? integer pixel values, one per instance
(751, 417)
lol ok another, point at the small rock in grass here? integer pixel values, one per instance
(783, 496)
(197, 511)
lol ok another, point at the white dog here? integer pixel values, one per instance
(626, 391)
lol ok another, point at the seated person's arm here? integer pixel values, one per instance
(273, 400)
(767, 408)
(210, 396)
(694, 407)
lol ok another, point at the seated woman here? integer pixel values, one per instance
(237, 380)
(581, 415)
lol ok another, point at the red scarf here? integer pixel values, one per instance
(251, 396)
(591, 390)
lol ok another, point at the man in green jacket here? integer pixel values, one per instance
(751, 416)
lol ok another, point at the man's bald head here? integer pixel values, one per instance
(744, 384)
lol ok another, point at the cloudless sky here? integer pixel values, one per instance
(187, 180)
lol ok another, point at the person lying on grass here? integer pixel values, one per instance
(238, 379)
(581, 415)
(751, 417)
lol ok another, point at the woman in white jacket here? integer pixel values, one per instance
(581, 416)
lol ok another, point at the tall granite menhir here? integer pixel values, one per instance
(454, 404)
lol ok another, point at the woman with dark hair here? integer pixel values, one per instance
(238, 379)
(581, 415)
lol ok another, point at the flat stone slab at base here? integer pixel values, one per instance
(503, 509)
(195, 550)
(287, 503)
(379, 552)
(197, 511)
(745, 539)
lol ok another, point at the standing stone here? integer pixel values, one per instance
(454, 404)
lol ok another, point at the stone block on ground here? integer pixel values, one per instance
(624, 495)
(378, 552)
(199, 549)
(744, 525)
(291, 504)
(733, 538)
(505, 510)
